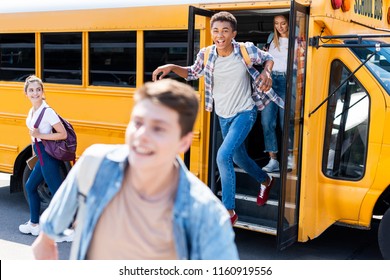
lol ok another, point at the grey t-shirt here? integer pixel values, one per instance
(231, 86)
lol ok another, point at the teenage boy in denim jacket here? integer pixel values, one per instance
(228, 87)
(144, 203)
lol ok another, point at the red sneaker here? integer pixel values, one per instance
(234, 219)
(262, 197)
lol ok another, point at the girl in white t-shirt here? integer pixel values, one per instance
(279, 50)
(49, 169)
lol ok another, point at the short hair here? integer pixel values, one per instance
(175, 95)
(224, 16)
(31, 79)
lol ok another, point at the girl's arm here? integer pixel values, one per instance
(60, 133)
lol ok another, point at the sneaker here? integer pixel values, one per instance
(290, 162)
(272, 166)
(28, 228)
(67, 236)
(262, 197)
(234, 219)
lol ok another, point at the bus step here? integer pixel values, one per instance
(250, 198)
(290, 175)
(255, 227)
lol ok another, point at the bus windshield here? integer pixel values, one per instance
(379, 64)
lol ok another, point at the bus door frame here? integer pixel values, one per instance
(288, 215)
(193, 11)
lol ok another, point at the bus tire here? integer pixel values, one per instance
(43, 190)
(384, 235)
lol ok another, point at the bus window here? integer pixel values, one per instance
(17, 54)
(346, 126)
(162, 47)
(112, 58)
(61, 58)
(379, 64)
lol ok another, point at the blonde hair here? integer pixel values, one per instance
(32, 79)
(276, 33)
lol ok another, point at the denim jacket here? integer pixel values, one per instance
(201, 225)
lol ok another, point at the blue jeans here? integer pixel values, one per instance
(234, 132)
(50, 173)
(270, 114)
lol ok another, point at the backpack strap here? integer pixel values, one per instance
(244, 53)
(90, 163)
(36, 125)
(270, 38)
(206, 55)
(39, 119)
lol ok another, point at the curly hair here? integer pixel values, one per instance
(224, 16)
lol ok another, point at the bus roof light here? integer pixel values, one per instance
(346, 5)
(388, 15)
(336, 4)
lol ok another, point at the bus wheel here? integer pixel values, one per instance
(384, 235)
(43, 190)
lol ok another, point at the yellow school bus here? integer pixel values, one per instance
(92, 55)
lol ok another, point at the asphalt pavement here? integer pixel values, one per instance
(336, 243)
(13, 212)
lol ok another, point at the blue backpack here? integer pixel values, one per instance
(269, 40)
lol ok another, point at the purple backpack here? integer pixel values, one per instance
(60, 149)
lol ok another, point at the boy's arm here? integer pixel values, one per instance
(45, 248)
(260, 57)
(265, 76)
(193, 72)
(166, 69)
(268, 65)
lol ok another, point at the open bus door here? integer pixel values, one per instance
(287, 229)
(193, 11)
(280, 215)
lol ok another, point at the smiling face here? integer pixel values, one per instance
(34, 92)
(281, 25)
(222, 34)
(154, 136)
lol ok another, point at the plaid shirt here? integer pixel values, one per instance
(256, 56)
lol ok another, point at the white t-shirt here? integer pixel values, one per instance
(231, 87)
(49, 119)
(280, 57)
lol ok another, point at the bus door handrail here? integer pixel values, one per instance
(315, 42)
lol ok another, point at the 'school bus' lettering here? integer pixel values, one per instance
(369, 8)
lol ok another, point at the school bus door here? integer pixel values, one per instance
(287, 231)
(287, 228)
(205, 124)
